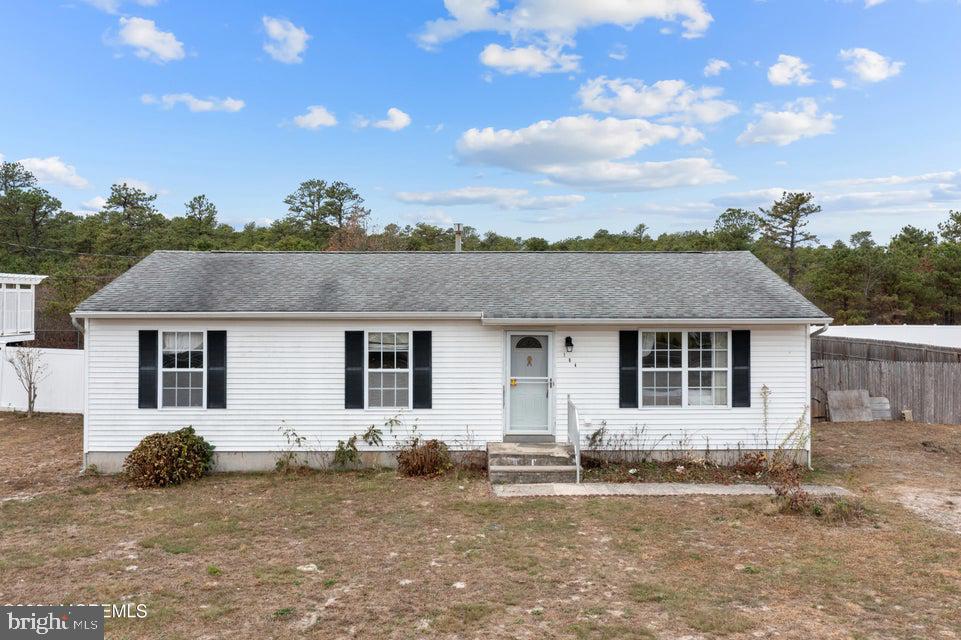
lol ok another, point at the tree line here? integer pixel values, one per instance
(913, 278)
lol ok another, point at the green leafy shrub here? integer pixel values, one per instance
(841, 511)
(164, 459)
(428, 459)
(346, 454)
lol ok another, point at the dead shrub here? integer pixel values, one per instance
(754, 463)
(425, 459)
(473, 461)
(788, 492)
(164, 459)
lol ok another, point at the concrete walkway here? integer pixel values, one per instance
(651, 489)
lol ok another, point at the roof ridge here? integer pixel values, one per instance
(499, 252)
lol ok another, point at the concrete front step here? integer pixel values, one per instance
(528, 454)
(533, 474)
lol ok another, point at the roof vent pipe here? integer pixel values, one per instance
(458, 237)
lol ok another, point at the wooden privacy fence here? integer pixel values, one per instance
(931, 390)
(839, 348)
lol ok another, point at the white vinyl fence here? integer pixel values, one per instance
(61, 391)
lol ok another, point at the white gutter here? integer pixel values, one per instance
(821, 329)
(288, 315)
(442, 315)
(690, 322)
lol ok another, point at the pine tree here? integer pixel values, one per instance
(783, 225)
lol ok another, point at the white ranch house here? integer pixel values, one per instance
(472, 348)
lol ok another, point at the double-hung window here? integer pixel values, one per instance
(707, 361)
(182, 368)
(684, 368)
(388, 369)
(662, 368)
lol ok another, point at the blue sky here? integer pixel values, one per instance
(533, 117)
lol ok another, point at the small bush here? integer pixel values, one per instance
(754, 463)
(789, 494)
(430, 458)
(346, 454)
(841, 511)
(164, 459)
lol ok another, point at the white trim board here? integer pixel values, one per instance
(449, 315)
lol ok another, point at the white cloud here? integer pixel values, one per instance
(287, 41)
(316, 117)
(673, 98)
(618, 52)
(500, 197)
(531, 59)
(395, 120)
(838, 83)
(143, 185)
(872, 3)
(789, 70)
(640, 176)
(799, 119)
(887, 201)
(149, 42)
(588, 152)
(748, 199)
(938, 177)
(433, 216)
(53, 170)
(170, 100)
(558, 21)
(715, 66)
(870, 66)
(571, 139)
(94, 204)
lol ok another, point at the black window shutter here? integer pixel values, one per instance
(628, 370)
(147, 373)
(354, 370)
(741, 368)
(422, 370)
(216, 369)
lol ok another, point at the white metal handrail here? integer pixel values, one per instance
(574, 434)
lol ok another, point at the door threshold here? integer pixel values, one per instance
(530, 438)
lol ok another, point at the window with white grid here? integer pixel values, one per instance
(707, 368)
(182, 368)
(662, 368)
(388, 369)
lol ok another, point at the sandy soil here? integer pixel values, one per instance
(371, 555)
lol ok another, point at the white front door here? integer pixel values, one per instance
(529, 383)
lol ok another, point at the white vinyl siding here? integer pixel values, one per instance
(291, 372)
(779, 360)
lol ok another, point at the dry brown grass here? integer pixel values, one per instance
(412, 558)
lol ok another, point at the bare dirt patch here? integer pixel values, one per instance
(40, 454)
(916, 465)
(371, 555)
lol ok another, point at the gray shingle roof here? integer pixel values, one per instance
(722, 285)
